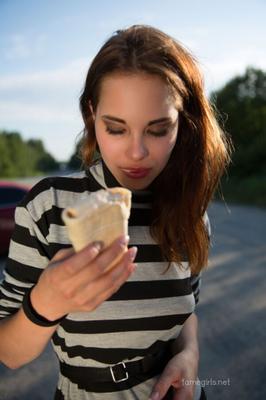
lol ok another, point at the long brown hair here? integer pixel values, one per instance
(201, 153)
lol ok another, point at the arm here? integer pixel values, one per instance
(21, 341)
(62, 283)
(185, 350)
(188, 338)
(182, 366)
(76, 282)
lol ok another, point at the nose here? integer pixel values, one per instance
(137, 150)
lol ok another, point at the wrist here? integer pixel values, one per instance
(190, 347)
(40, 305)
(192, 350)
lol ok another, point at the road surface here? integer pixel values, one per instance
(231, 312)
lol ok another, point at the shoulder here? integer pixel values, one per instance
(70, 183)
(54, 191)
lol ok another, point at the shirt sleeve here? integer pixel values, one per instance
(195, 280)
(26, 260)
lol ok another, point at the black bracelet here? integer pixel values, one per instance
(32, 314)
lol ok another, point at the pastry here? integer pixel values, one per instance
(102, 217)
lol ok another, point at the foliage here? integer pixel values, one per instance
(249, 190)
(23, 158)
(242, 106)
(75, 162)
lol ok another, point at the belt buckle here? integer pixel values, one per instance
(124, 370)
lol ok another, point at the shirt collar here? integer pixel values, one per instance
(103, 175)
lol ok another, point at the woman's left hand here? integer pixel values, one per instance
(180, 373)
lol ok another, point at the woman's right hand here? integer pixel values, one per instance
(81, 281)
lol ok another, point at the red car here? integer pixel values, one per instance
(10, 195)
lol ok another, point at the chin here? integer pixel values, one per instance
(137, 185)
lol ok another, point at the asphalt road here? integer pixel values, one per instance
(231, 313)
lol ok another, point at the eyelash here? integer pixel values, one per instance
(163, 132)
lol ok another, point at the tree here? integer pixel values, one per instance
(74, 162)
(242, 107)
(44, 161)
(14, 155)
(23, 158)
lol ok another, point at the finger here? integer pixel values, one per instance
(83, 258)
(76, 261)
(113, 252)
(163, 385)
(88, 270)
(75, 285)
(63, 254)
(116, 277)
(103, 288)
(122, 276)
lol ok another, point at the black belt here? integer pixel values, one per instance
(116, 373)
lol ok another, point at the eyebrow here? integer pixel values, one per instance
(155, 121)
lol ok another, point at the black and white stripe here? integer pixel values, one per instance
(147, 312)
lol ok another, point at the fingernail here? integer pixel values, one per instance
(133, 252)
(98, 245)
(123, 241)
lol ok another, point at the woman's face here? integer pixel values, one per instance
(136, 125)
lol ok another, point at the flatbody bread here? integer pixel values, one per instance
(102, 217)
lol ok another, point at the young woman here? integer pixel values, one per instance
(131, 332)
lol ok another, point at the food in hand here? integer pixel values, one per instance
(102, 217)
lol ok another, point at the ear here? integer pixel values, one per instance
(91, 110)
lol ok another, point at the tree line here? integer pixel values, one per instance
(241, 106)
(21, 158)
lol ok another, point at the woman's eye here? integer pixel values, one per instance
(115, 131)
(112, 131)
(162, 132)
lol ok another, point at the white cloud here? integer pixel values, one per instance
(226, 67)
(58, 128)
(70, 74)
(12, 110)
(19, 46)
(45, 104)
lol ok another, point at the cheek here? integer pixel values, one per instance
(108, 147)
(166, 147)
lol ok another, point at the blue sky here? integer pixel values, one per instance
(46, 48)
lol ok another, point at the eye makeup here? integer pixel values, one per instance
(114, 131)
(160, 133)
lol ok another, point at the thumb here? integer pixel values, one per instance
(69, 262)
(62, 254)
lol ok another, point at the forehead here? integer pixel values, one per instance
(140, 93)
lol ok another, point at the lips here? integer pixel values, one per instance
(136, 173)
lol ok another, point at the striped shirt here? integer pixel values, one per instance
(145, 314)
